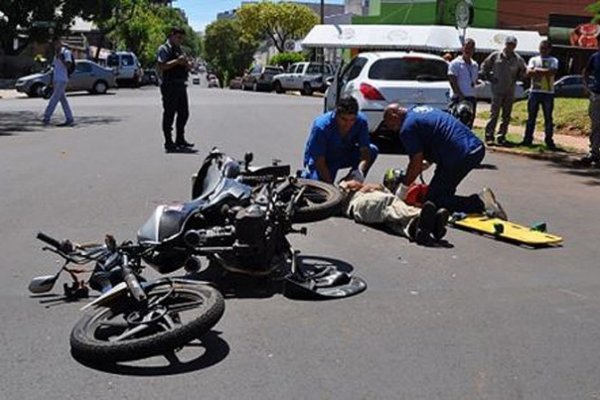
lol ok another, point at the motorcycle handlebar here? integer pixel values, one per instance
(49, 240)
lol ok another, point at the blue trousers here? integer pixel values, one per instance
(442, 189)
(349, 160)
(546, 101)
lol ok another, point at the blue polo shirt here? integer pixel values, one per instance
(593, 70)
(438, 135)
(325, 140)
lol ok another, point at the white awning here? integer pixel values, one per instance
(416, 37)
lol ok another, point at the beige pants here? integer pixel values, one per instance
(380, 207)
(504, 103)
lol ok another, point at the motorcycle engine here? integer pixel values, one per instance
(251, 231)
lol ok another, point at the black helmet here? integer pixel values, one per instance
(464, 112)
(393, 178)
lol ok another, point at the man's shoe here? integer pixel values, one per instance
(67, 123)
(489, 141)
(550, 145)
(170, 147)
(45, 122)
(493, 209)
(426, 223)
(183, 143)
(588, 160)
(501, 141)
(526, 143)
(439, 227)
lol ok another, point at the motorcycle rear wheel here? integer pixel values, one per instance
(129, 330)
(320, 201)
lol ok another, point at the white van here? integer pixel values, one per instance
(127, 68)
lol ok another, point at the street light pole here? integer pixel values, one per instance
(322, 50)
(322, 12)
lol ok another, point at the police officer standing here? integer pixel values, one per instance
(174, 66)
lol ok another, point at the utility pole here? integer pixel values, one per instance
(321, 54)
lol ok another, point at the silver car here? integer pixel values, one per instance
(87, 76)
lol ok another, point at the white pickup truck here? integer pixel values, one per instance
(307, 77)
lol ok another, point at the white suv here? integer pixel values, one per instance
(380, 78)
(307, 77)
(126, 66)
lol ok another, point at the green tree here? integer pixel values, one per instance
(277, 21)
(226, 49)
(26, 16)
(594, 8)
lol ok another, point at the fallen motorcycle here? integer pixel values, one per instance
(238, 219)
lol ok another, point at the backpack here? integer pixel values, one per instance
(70, 65)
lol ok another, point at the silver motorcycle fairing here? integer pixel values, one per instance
(169, 221)
(109, 296)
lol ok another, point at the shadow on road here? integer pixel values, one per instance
(569, 165)
(16, 122)
(211, 347)
(237, 285)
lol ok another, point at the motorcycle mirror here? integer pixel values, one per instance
(42, 284)
(248, 157)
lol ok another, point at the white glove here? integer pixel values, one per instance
(402, 191)
(357, 175)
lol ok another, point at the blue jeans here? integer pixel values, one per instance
(546, 100)
(349, 160)
(442, 188)
(58, 95)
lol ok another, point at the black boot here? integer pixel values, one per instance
(439, 227)
(426, 223)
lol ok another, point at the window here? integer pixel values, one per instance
(316, 69)
(112, 60)
(292, 68)
(127, 60)
(352, 70)
(272, 70)
(409, 69)
(83, 67)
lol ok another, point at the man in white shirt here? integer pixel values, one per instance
(60, 77)
(463, 73)
(541, 69)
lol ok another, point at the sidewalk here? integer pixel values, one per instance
(10, 94)
(573, 144)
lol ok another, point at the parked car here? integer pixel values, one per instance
(127, 68)
(261, 78)
(308, 77)
(483, 91)
(570, 86)
(87, 76)
(376, 79)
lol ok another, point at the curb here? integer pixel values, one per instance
(550, 156)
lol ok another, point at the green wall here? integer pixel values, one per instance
(424, 12)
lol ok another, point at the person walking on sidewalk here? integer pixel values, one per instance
(502, 68)
(174, 66)
(463, 73)
(591, 82)
(62, 64)
(541, 69)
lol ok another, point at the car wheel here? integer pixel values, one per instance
(278, 87)
(35, 90)
(307, 90)
(100, 87)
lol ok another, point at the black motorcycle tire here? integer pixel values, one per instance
(328, 204)
(85, 345)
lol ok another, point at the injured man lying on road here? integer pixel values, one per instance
(369, 203)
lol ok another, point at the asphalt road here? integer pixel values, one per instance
(480, 319)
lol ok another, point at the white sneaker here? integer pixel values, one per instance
(493, 209)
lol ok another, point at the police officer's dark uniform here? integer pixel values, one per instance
(174, 97)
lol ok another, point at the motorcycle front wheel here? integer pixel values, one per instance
(319, 201)
(174, 314)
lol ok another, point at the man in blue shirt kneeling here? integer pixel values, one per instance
(432, 136)
(339, 139)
